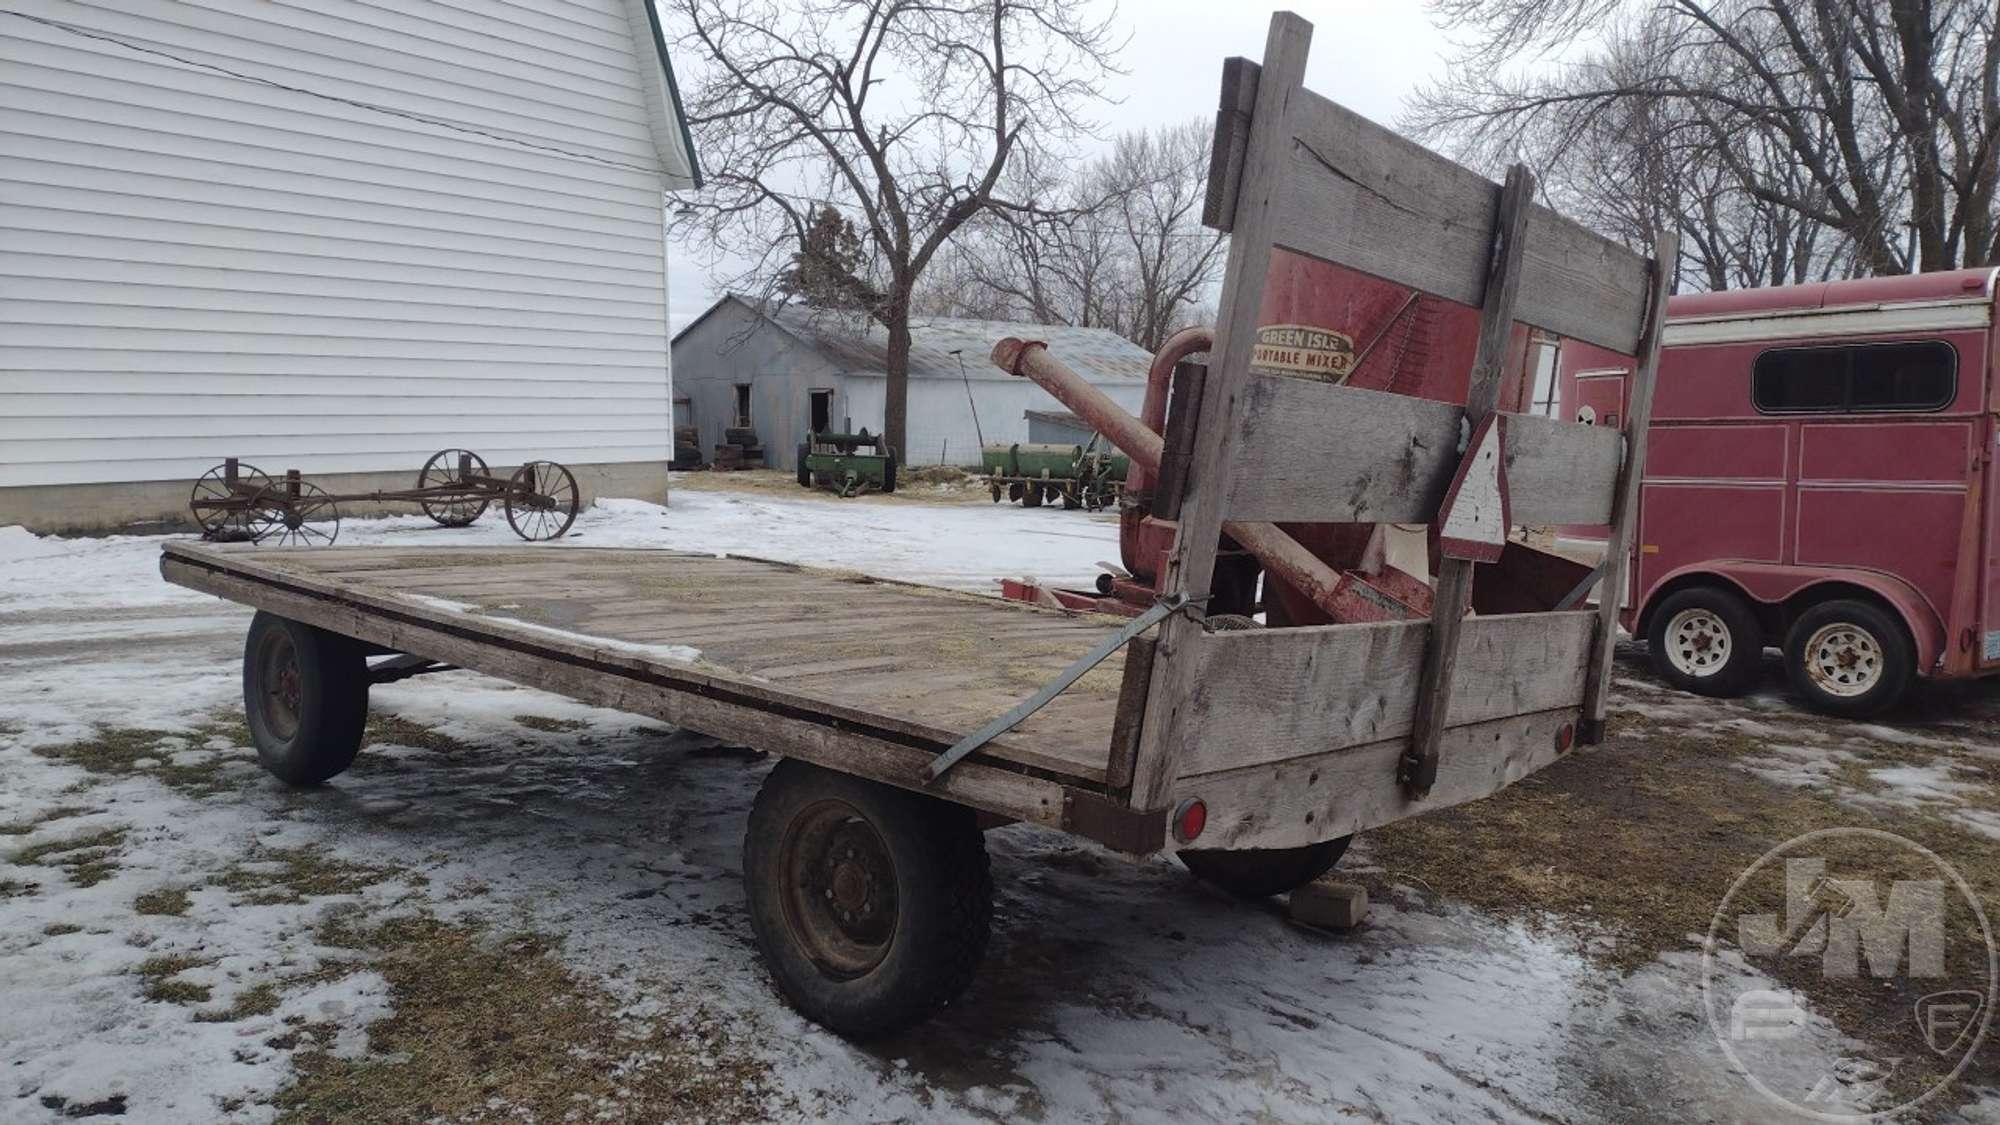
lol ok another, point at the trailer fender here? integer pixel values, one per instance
(1785, 590)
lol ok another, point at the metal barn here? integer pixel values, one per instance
(786, 371)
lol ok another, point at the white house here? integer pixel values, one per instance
(787, 371)
(330, 235)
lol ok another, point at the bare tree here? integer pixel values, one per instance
(1118, 246)
(1845, 132)
(906, 112)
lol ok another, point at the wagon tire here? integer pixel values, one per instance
(889, 473)
(1850, 658)
(1706, 640)
(805, 471)
(871, 905)
(305, 696)
(1254, 873)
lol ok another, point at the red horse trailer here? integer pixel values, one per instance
(1819, 479)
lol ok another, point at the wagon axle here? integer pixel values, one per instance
(235, 502)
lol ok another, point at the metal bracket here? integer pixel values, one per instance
(402, 668)
(1160, 611)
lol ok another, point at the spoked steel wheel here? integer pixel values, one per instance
(226, 514)
(541, 500)
(307, 517)
(840, 904)
(1843, 659)
(451, 467)
(1698, 642)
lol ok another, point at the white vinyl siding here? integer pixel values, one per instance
(195, 265)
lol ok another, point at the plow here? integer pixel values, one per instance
(239, 503)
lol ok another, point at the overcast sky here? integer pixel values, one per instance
(1366, 54)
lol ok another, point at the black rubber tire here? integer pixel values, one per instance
(944, 901)
(332, 699)
(889, 473)
(1255, 873)
(1899, 663)
(805, 474)
(1738, 671)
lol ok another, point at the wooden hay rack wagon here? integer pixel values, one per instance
(1254, 752)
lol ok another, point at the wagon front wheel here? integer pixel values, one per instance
(305, 695)
(872, 905)
(1255, 873)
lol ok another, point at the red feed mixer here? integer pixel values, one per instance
(1320, 322)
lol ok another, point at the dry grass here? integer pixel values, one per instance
(257, 1000)
(551, 726)
(489, 1029)
(171, 901)
(85, 860)
(385, 728)
(293, 875)
(158, 973)
(119, 752)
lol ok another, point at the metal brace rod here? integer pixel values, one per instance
(1575, 597)
(1161, 610)
(402, 668)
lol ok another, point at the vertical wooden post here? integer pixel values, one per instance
(1625, 505)
(1418, 769)
(1253, 225)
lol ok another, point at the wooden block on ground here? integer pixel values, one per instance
(1331, 906)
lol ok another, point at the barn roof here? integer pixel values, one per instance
(860, 346)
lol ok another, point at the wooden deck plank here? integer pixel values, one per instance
(933, 663)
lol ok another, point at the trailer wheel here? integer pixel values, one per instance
(305, 694)
(889, 473)
(805, 473)
(871, 904)
(1706, 640)
(1848, 657)
(1255, 873)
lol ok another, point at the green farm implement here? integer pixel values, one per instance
(1081, 476)
(836, 463)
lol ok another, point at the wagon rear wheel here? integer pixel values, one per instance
(305, 696)
(1262, 872)
(871, 904)
(541, 500)
(450, 467)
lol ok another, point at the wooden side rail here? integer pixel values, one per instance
(1292, 170)
(1367, 198)
(1311, 451)
(1269, 695)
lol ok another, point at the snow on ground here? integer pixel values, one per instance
(1113, 991)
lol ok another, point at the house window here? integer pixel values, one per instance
(1856, 378)
(742, 406)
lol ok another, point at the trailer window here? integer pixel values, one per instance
(1856, 378)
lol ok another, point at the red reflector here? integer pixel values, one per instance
(1189, 819)
(1564, 737)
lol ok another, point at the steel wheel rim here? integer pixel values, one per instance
(839, 898)
(1844, 659)
(212, 489)
(309, 519)
(1698, 642)
(442, 469)
(281, 694)
(534, 519)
